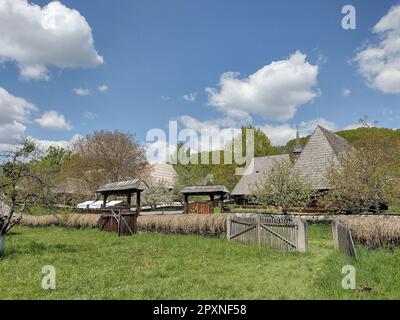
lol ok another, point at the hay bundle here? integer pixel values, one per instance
(207, 224)
(375, 231)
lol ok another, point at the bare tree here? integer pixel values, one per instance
(106, 156)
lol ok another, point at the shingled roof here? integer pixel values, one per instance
(204, 189)
(257, 175)
(162, 172)
(121, 186)
(323, 147)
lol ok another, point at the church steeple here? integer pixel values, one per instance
(297, 148)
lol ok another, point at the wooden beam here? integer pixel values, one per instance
(105, 199)
(186, 204)
(137, 203)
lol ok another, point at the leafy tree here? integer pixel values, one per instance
(367, 176)
(22, 184)
(158, 193)
(283, 188)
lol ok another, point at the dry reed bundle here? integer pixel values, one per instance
(70, 220)
(204, 224)
(375, 231)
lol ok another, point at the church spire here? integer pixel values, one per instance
(297, 148)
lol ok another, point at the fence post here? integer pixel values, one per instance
(302, 243)
(258, 228)
(228, 226)
(335, 234)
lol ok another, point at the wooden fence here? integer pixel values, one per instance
(280, 234)
(200, 208)
(342, 239)
(122, 222)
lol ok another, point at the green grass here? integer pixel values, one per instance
(97, 265)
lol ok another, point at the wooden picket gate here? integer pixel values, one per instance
(280, 234)
(200, 208)
(342, 239)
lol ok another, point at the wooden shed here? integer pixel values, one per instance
(121, 219)
(211, 191)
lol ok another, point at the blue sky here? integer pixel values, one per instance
(156, 52)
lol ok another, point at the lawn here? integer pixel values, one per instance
(98, 265)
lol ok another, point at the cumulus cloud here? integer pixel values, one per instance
(14, 116)
(53, 120)
(103, 88)
(81, 91)
(46, 144)
(89, 115)
(190, 97)
(274, 92)
(346, 92)
(38, 37)
(280, 134)
(379, 61)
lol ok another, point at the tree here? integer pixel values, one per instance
(105, 156)
(283, 188)
(157, 193)
(367, 176)
(21, 183)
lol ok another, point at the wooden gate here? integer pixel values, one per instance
(281, 234)
(200, 208)
(343, 240)
(124, 222)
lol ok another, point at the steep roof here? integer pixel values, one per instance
(323, 147)
(204, 189)
(121, 186)
(73, 186)
(162, 172)
(256, 174)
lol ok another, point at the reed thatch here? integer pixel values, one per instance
(376, 231)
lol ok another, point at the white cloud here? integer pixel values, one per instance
(14, 115)
(274, 92)
(46, 144)
(280, 134)
(379, 61)
(165, 98)
(190, 97)
(53, 120)
(81, 91)
(103, 88)
(36, 38)
(346, 92)
(89, 115)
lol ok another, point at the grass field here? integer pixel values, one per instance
(97, 265)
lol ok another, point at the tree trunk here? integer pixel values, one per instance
(1, 244)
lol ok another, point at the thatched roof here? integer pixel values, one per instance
(162, 172)
(123, 186)
(256, 174)
(204, 190)
(73, 186)
(323, 147)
